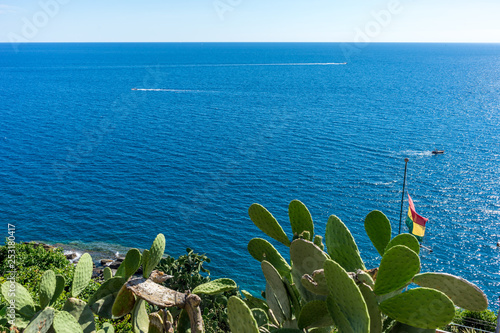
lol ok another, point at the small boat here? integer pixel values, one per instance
(436, 152)
(134, 88)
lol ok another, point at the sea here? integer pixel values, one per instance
(105, 145)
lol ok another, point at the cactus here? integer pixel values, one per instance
(316, 283)
(373, 309)
(240, 317)
(318, 241)
(397, 267)
(154, 255)
(266, 222)
(42, 322)
(254, 302)
(107, 273)
(402, 328)
(341, 245)
(130, 265)
(463, 293)
(103, 299)
(260, 317)
(47, 288)
(82, 313)
(24, 304)
(422, 307)
(345, 302)
(407, 240)
(314, 314)
(124, 303)
(261, 249)
(156, 324)
(83, 274)
(300, 219)
(60, 283)
(365, 278)
(140, 319)
(378, 229)
(215, 287)
(278, 288)
(106, 328)
(66, 323)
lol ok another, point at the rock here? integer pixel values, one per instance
(71, 256)
(105, 262)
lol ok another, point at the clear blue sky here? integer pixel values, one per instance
(250, 20)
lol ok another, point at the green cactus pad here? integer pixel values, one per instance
(107, 273)
(341, 321)
(365, 278)
(60, 284)
(42, 322)
(83, 274)
(318, 241)
(276, 284)
(109, 287)
(407, 240)
(130, 265)
(107, 328)
(24, 304)
(254, 302)
(300, 218)
(47, 288)
(240, 317)
(463, 293)
(124, 303)
(82, 313)
(156, 323)
(215, 287)
(261, 249)
(266, 222)
(421, 307)
(315, 283)
(341, 245)
(373, 309)
(103, 306)
(274, 305)
(260, 317)
(397, 267)
(140, 318)
(64, 322)
(314, 314)
(287, 330)
(348, 298)
(154, 255)
(378, 229)
(306, 256)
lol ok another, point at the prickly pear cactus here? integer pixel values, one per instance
(60, 284)
(103, 299)
(106, 328)
(463, 293)
(276, 284)
(407, 240)
(421, 307)
(124, 303)
(261, 249)
(154, 255)
(300, 218)
(140, 318)
(315, 283)
(341, 245)
(66, 323)
(315, 314)
(318, 241)
(378, 229)
(24, 304)
(42, 322)
(373, 309)
(240, 317)
(130, 265)
(83, 274)
(266, 222)
(82, 313)
(48, 284)
(397, 267)
(345, 302)
(215, 287)
(156, 323)
(107, 273)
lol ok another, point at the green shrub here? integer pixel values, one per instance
(485, 320)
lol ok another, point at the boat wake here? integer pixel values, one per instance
(273, 64)
(175, 90)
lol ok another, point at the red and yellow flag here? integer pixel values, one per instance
(415, 222)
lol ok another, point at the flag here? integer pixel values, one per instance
(415, 222)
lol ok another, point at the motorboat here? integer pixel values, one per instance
(436, 152)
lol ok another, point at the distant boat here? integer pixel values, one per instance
(134, 88)
(436, 152)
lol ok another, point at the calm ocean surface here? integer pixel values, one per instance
(213, 128)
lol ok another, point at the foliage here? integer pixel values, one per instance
(484, 320)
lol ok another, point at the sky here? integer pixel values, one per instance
(249, 21)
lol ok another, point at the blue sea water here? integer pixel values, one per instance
(213, 128)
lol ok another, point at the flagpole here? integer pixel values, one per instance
(403, 196)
